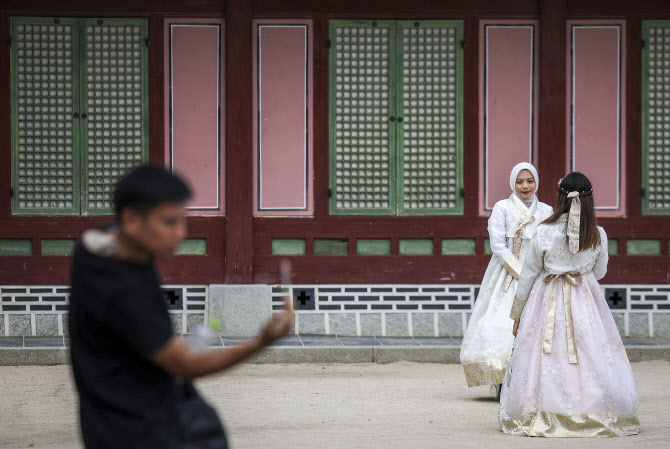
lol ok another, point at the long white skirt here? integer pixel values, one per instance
(544, 395)
(487, 343)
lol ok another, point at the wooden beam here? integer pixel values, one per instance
(5, 120)
(239, 162)
(632, 117)
(552, 97)
(156, 90)
(471, 117)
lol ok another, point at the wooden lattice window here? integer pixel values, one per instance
(656, 117)
(396, 117)
(79, 111)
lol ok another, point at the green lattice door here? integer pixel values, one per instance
(656, 117)
(79, 111)
(395, 117)
(430, 104)
(362, 138)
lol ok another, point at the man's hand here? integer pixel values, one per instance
(515, 329)
(176, 357)
(281, 323)
(278, 325)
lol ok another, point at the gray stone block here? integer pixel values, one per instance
(11, 342)
(19, 324)
(241, 309)
(342, 323)
(311, 323)
(423, 324)
(2, 324)
(46, 325)
(397, 341)
(419, 355)
(313, 354)
(177, 323)
(397, 325)
(638, 324)
(371, 324)
(319, 340)
(65, 318)
(619, 319)
(42, 342)
(450, 324)
(34, 356)
(662, 325)
(193, 320)
(644, 353)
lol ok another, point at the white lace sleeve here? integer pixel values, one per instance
(600, 267)
(498, 233)
(532, 267)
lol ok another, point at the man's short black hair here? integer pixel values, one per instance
(148, 186)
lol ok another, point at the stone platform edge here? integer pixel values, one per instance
(22, 351)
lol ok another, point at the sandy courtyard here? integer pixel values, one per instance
(399, 405)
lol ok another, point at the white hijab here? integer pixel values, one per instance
(512, 180)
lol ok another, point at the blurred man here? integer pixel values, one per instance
(125, 357)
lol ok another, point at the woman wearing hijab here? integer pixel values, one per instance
(487, 343)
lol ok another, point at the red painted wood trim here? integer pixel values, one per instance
(552, 100)
(320, 128)
(156, 91)
(374, 226)
(370, 8)
(427, 227)
(374, 269)
(55, 270)
(432, 269)
(617, 8)
(239, 162)
(5, 121)
(471, 117)
(633, 118)
(42, 270)
(117, 8)
(59, 227)
(394, 9)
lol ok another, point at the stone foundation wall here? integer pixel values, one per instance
(362, 310)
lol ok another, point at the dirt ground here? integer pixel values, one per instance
(399, 405)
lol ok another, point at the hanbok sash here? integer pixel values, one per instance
(527, 217)
(570, 279)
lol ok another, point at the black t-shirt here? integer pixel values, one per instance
(118, 319)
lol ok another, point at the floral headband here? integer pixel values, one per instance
(562, 190)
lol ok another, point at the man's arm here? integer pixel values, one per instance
(176, 357)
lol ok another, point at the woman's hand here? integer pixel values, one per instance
(515, 329)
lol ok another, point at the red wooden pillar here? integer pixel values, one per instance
(239, 162)
(156, 83)
(633, 119)
(552, 98)
(5, 129)
(471, 119)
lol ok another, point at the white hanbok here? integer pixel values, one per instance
(569, 375)
(487, 343)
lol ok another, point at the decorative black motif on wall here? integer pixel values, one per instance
(616, 298)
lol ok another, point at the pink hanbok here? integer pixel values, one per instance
(569, 375)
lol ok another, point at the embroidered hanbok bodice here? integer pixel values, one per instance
(506, 220)
(549, 251)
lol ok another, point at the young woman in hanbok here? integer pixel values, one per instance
(569, 375)
(487, 343)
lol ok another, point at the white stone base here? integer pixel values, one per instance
(242, 309)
